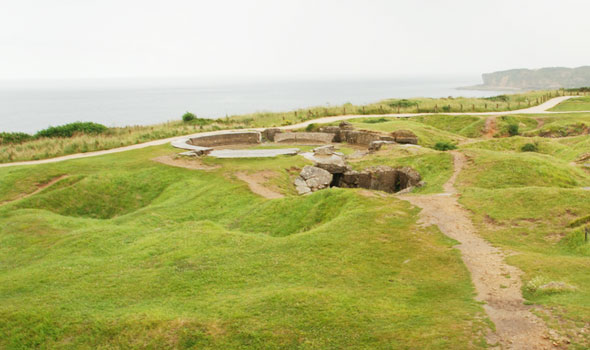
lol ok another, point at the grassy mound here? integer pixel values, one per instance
(468, 126)
(193, 259)
(428, 136)
(489, 169)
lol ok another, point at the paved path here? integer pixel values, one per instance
(540, 109)
(497, 283)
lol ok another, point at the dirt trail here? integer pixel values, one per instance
(490, 128)
(255, 182)
(39, 189)
(497, 283)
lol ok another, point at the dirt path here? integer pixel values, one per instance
(540, 109)
(39, 189)
(194, 164)
(497, 283)
(491, 127)
(256, 180)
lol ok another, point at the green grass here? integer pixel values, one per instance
(526, 203)
(129, 253)
(434, 167)
(573, 104)
(468, 126)
(428, 135)
(489, 169)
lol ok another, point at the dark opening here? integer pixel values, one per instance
(336, 180)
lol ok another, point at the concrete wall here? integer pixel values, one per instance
(233, 138)
(307, 137)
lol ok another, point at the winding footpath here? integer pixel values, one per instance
(540, 109)
(498, 284)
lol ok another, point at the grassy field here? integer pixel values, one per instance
(129, 253)
(125, 252)
(575, 104)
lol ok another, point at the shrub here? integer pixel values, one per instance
(71, 129)
(513, 129)
(529, 147)
(499, 98)
(446, 108)
(188, 116)
(375, 120)
(14, 137)
(444, 146)
(402, 104)
(311, 127)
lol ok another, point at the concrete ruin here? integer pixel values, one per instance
(330, 170)
(230, 138)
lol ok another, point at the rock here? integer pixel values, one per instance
(346, 126)
(301, 186)
(269, 134)
(312, 179)
(376, 145)
(334, 164)
(324, 150)
(405, 136)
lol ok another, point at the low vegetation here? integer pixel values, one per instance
(131, 253)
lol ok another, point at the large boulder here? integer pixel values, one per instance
(405, 136)
(312, 179)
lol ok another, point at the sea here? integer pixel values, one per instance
(29, 106)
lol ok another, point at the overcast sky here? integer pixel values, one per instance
(63, 39)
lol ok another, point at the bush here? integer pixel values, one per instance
(71, 129)
(188, 116)
(444, 146)
(375, 120)
(513, 129)
(14, 137)
(499, 98)
(311, 127)
(402, 104)
(529, 147)
(446, 108)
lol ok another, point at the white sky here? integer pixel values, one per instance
(63, 39)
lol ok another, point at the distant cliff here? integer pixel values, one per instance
(536, 79)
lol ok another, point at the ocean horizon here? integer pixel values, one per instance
(29, 106)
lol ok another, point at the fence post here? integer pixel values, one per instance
(586, 234)
(473, 107)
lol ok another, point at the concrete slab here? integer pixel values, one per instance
(253, 153)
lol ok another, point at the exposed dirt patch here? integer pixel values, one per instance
(490, 128)
(516, 326)
(184, 162)
(256, 183)
(40, 188)
(540, 122)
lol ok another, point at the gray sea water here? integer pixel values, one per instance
(34, 105)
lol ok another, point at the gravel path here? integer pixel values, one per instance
(497, 283)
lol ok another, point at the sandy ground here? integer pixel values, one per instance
(256, 183)
(497, 283)
(541, 109)
(490, 128)
(183, 162)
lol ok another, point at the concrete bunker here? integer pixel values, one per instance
(330, 170)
